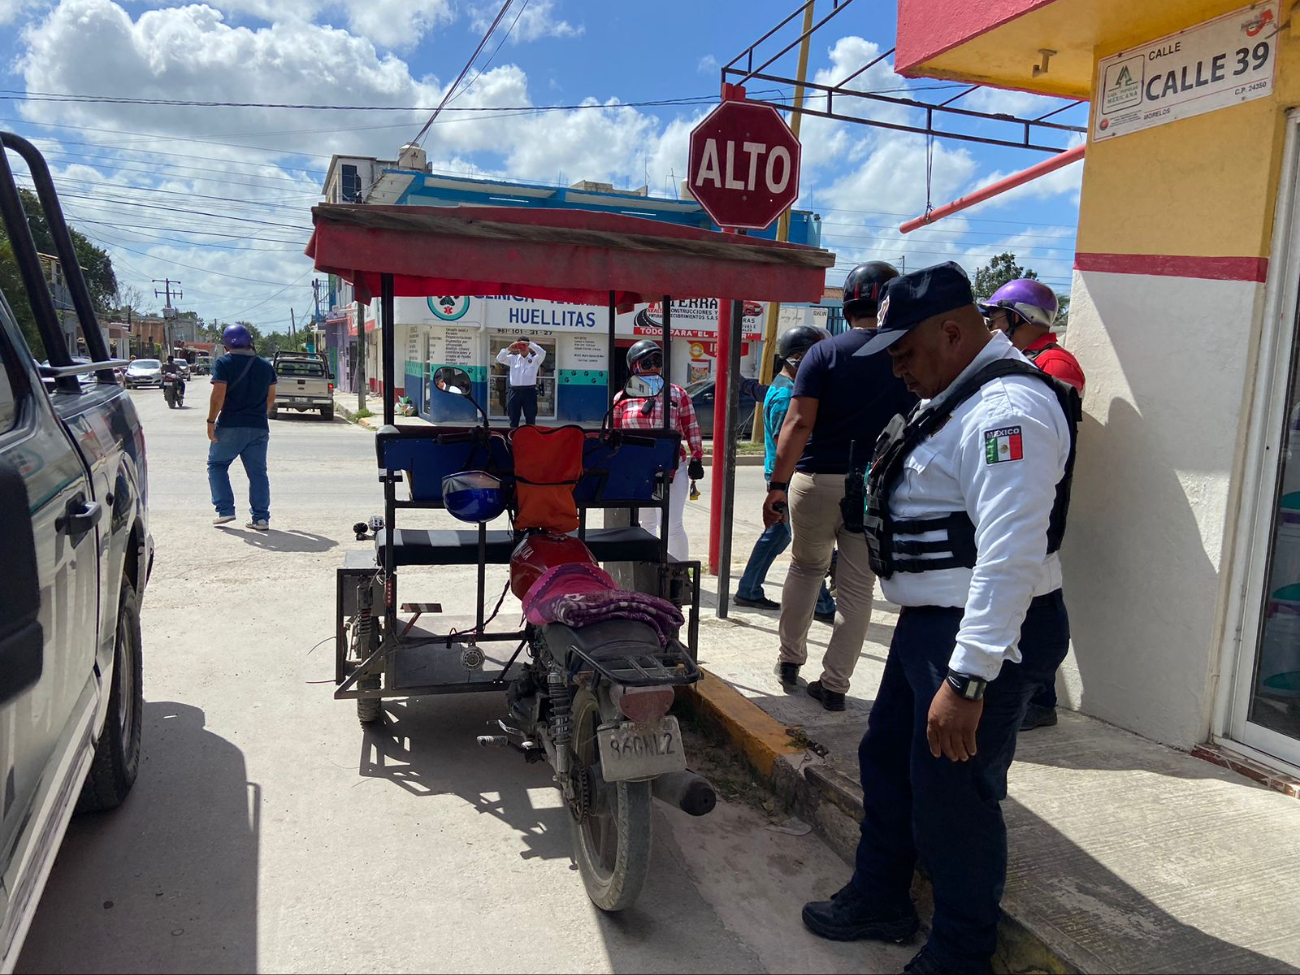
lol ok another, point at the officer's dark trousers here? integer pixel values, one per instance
(947, 814)
(521, 399)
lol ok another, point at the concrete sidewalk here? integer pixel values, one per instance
(1125, 856)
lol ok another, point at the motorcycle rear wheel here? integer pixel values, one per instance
(612, 844)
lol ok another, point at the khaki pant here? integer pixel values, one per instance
(818, 528)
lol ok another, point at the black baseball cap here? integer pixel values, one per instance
(910, 299)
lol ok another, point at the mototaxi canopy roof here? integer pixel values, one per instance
(575, 256)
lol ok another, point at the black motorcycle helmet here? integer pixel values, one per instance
(863, 286)
(796, 341)
(642, 350)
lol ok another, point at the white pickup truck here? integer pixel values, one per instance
(303, 383)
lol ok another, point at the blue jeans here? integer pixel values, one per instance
(946, 814)
(770, 544)
(249, 445)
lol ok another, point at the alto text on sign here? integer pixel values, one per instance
(1223, 62)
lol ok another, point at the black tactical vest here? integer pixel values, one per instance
(957, 548)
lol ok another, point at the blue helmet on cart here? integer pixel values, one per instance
(473, 496)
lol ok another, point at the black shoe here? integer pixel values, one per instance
(1038, 717)
(849, 917)
(825, 617)
(789, 675)
(761, 603)
(831, 700)
(924, 963)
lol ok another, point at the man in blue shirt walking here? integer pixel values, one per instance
(790, 349)
(243, 395)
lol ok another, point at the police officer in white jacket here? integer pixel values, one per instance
(523, 360)
(966, 509)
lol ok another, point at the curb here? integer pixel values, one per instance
(831, 803)
(369, 422)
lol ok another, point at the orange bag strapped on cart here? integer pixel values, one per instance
(548, 465)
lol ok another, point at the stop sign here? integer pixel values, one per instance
(744, 167)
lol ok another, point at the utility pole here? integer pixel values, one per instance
(170, 287)
(782, 228)
(902, 263)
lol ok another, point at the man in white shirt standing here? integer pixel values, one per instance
(524, 360)
(966, 506)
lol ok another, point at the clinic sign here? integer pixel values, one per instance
(1225, 61)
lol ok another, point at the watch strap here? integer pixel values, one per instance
(778, 485)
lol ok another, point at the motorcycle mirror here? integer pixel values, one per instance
(450, 379)
(643, 387)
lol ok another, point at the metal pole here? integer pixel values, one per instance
(724, 463)
(783, 227)
(722, 387)
(390, 368)
(667, 318)
(613, 350)
(361, 356)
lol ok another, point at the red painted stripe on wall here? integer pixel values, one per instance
(1176, 266)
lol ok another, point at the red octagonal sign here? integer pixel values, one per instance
(744, 167)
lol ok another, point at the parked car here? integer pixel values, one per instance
(184, 367)
(304, 383)
(702, 397)
(144, 372)
(85, 379)
(75, 536)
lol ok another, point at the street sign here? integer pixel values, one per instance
(1222, 62)
(744, 167)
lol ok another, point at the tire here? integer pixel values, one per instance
(613, 878)
(117, 755)
(369, 709)
(327, 413)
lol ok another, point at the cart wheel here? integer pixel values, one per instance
(369, 709)
(612, 842)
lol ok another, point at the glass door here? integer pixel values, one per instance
(498, 377)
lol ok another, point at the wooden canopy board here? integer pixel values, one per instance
(573, 256)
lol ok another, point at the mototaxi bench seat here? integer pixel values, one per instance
(452, 546)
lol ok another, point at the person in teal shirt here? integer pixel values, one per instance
(790, 348)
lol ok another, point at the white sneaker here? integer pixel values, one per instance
(223, 520)
(262, 526)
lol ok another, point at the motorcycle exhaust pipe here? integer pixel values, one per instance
(692, 794)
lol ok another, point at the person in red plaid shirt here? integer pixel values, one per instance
(647, 359)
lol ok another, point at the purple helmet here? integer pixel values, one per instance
(236, 337)
(1032, 300)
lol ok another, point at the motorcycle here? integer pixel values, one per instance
(173, 387)
(603, 663)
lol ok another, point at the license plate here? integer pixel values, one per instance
(641, 751)
(299, 399)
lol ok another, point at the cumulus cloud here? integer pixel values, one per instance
(707, 65)
(9, 10)
(531, 23)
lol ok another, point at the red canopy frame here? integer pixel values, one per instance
(576, 256)
(560, 255)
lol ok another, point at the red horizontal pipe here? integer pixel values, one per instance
(996, 189)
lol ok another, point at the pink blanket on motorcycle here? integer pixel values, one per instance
(579, 595)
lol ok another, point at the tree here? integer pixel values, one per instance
(96, 269)
(998, 272)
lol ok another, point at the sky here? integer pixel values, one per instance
(219, 197)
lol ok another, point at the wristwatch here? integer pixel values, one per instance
(778, 485)
(968, 687)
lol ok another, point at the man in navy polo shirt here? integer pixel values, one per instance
(243, 395)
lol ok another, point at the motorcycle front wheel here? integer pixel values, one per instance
(611, 844)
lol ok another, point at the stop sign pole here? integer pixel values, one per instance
(744, 171)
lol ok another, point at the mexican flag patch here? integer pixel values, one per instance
(1002, 445)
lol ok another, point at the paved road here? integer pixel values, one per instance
(268, 832)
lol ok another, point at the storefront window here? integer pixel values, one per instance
(499, 378)
(1275, 700)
